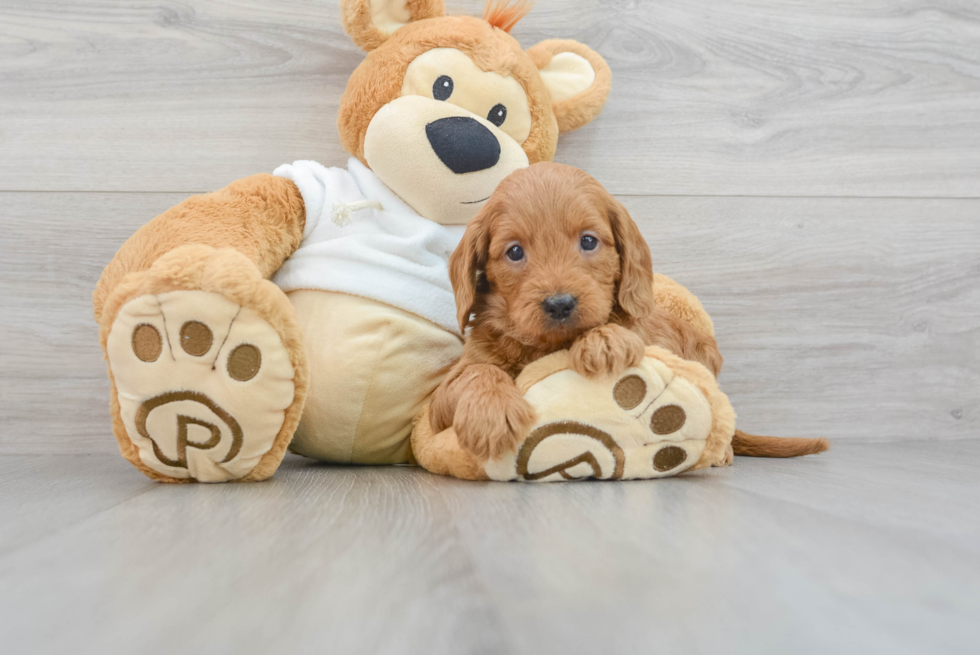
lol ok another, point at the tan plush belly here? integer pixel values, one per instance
(371, 368)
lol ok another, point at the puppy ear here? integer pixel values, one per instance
(369, 23)
(577, 78)
(467, 263)
(635, 293)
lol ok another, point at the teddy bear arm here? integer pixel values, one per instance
(261, 216)
(680, 303)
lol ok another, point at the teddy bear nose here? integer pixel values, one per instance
(560, 306)
(463, 144)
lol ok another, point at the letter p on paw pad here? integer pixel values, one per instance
(203, 384)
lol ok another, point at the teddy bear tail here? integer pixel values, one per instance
(752, 445)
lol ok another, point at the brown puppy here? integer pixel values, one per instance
(554, 262)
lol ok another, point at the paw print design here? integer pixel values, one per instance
(202, 383)
(648, 422)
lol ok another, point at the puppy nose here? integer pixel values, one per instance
(463, 144)
(559, 306)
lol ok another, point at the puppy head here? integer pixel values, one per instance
(550, 256)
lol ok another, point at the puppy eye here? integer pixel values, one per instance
(442, 88)
(588, 242)
(515, 253)
(497, 115)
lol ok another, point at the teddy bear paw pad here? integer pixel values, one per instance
(647, 422)
(203, 384)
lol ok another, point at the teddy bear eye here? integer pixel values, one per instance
(588, 242)
(515, 253)
(442, 88)
(497, 115)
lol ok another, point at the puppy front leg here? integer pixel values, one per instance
(491, 414)
(444, 400)
(606, 349)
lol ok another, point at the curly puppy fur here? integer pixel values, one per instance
(546, 210)
(575, 240)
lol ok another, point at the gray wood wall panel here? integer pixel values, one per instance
(53, 247)
(848, 318)
(739, 98)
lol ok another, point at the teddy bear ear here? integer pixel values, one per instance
(369, 23)
(577, 78)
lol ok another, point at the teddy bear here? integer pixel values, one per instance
(311, 308)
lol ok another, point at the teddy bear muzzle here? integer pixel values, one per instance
(457, 160)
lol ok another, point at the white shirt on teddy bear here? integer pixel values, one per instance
(392, 254)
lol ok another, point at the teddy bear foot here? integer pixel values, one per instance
(205, 388)
(658, 419)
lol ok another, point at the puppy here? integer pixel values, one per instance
(553, 262)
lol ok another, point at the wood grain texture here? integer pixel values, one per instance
(766, 557)
(854, 316)
(866, 549)
(54, 392)
(846, 318)
(748, 97)
(366, 559)
(42, 497)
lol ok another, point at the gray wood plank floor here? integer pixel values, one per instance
(870, 548)
(810, 170)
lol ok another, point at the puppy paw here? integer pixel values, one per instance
(609, 349)
(491, 416)
(489, 430)
(442, 409)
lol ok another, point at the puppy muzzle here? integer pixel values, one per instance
(560, 307)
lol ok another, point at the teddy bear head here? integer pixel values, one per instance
(444, 107)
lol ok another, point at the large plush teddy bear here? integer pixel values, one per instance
(312, 308)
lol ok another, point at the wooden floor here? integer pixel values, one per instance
(868, 549)
(810, 169)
